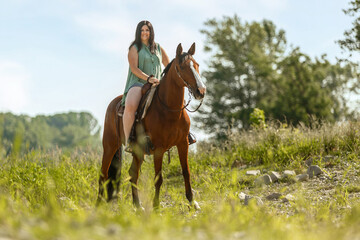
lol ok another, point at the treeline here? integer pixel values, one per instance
(22, 133)
(253, 66)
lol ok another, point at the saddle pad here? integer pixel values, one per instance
(148, 99)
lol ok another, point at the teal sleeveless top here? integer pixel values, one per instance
(149, 63)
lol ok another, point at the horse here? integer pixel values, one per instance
(166, 123)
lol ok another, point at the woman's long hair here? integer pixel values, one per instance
(137, 40)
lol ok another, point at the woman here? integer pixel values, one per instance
(145, 58)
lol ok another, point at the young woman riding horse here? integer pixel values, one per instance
(166, 123)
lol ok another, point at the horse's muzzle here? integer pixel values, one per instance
(199, 93)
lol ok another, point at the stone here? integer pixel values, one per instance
(253, 172)
(314, 171)
(288, 173)
(302, 177)
(263, 179)
(249, 199)
(242, 196)
(275, 176)
(288, 198)
(274, 196)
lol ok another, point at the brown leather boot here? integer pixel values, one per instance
(191, 138)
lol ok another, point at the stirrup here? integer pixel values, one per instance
(192, 138)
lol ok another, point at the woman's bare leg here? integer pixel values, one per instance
(131, 104)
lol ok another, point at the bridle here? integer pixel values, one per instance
(190, 92)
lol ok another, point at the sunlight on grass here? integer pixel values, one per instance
(52, 195)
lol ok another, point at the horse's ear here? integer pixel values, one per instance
(179, 50)
(192, 49)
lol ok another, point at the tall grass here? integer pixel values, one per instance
(51, 195)
(287, 146)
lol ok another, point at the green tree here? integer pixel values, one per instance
(251, 67)
(241, 71)
(66, 130)
(351, 41)
(312, 88)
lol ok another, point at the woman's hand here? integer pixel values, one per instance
(154, 81)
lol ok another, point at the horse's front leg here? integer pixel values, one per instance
(134, 174)
(183, 156)
(158, 158)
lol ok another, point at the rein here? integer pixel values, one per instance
(187, 104)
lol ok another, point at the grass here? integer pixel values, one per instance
(52, 195)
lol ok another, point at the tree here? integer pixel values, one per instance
(241, 72)
(66, 130)
(312, 88)
(251, 67)
(352, 36)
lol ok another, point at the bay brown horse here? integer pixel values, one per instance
(166, 123)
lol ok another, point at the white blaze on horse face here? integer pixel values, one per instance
(201, 86)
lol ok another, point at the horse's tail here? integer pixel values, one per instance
(109, 181)
(115, 173)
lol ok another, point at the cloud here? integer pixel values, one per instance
(13, 91)
(112, 25)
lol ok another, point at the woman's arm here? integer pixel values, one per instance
(165, 58)
(133, 58)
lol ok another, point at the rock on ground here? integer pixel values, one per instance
(288, 198)
(253, 172)
(288, 173)
(263, 179)
(275, 176)
(314, 170)
(242, 196)
(302, 177)
(249, 199)
(274, 196)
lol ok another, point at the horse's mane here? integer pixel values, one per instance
(167, 68)
(169, 65)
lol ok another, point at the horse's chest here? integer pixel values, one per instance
(167, 130)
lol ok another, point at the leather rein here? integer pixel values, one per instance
(187, 104)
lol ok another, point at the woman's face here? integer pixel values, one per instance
(145, 34)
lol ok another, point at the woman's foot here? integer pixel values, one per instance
(128, 147)
(191, 138)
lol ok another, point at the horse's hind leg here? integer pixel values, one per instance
(158, 157)
(108, 155)
(114, 174)
(134, 174)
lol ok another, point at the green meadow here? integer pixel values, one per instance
(52, 194)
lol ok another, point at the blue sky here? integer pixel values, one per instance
(71, 55)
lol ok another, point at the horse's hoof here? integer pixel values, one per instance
(139, 210)
(196, 205)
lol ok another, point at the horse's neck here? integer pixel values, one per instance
(170, 92)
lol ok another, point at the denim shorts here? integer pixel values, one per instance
(136, 85)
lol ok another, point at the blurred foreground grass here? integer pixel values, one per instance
(51, 195)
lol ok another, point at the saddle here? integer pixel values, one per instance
(147, 92)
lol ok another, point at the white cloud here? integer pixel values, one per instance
(13, 86)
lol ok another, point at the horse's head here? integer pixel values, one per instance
(188, 70)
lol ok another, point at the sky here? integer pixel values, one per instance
(71, 55)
